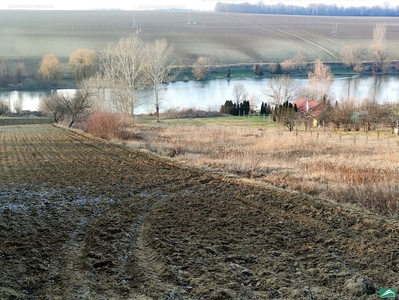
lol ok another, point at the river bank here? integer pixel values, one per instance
(184, 74)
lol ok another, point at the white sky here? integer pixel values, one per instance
(158, 4)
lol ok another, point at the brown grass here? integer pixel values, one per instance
(347, 167)
(109, 125)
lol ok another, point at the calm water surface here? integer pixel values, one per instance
(213, 93)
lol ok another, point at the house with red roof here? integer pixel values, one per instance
(310, 109)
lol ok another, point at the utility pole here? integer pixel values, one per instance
(349, 88)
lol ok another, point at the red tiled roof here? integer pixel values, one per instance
(315, 108)
(301, 104)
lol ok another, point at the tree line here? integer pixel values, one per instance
(112, 81)
(283, 94)
(121, 72)
(282, 91)
(314, 9)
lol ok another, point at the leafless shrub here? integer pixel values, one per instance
(352, 56)
(288, 65)
(108, 125)
(18, 106)
(201, 68)
(258, 69)
(298, 61)
(4, 107)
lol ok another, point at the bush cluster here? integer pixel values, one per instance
(108, 125)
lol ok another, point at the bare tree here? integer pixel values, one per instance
(343, 113)
(320, 80)
(300, 60)
(52, 105)
(157, 67)
(121, 74)
(20, 72)
(286, 114)
(254, 102)
(371, 114)
(18, 106)
(4, 107)
(280, 89)
(239, 93)
(66, 106)
(5, 72)
(50, 68)
(352, 56)
(83, 63)
(201, 68)
(392, 117)
(378, 47)
(258, 69)
(307, 93)
(77, 105)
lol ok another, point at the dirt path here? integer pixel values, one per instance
(82, 218)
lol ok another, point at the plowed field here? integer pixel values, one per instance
(225, 38)
(82, 218)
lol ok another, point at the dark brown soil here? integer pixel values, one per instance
(82, 218)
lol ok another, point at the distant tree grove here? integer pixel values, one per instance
(313, 9)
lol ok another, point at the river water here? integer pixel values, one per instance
(211, 94)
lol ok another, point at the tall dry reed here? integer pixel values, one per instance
(345, 167)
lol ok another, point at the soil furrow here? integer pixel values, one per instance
(101, 221)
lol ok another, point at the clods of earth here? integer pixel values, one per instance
(83, 218)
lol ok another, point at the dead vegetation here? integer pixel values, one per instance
(355, 167)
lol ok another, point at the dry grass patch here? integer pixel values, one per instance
(349, 167)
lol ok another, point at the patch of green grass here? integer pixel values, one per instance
(6, 121)
(225, 120)
(342, 70)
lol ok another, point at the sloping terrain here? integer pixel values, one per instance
(82, 218)
(226, 38)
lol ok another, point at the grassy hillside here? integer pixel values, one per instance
(227, 38)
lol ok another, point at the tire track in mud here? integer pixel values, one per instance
(112, 254)
(113, 243)
(145, 228)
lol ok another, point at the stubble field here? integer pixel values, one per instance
(226, 38)
(83, 218)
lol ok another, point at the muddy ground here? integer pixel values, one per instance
(82, 218)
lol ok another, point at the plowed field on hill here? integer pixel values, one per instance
(82, 218)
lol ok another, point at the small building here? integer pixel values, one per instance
(310, 109)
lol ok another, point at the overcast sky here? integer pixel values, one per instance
(158, 4)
